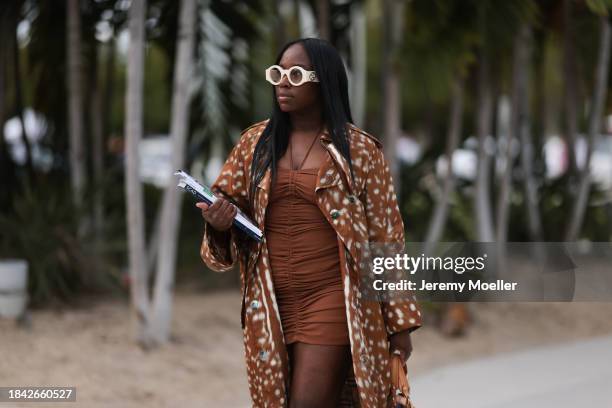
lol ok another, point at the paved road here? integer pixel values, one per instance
(572, 375)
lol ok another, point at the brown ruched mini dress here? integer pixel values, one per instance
(304, 260)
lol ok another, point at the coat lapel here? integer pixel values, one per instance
(331, 197)
(339, 162)
(261, 197)
(264, 184)
(328, 174)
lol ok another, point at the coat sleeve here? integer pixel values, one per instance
(219, 250)
(385, 226)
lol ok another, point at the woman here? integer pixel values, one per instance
(310, 338)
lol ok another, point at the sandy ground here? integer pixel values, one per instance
(92, 349)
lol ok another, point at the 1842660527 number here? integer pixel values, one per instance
(31, 394)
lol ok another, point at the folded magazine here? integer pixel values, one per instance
(203, 193)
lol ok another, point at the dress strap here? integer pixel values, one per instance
(307, 152)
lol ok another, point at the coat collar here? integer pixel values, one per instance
(329, 169)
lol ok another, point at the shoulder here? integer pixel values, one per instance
(254, 131)
(249, 136)
(365, 148)
(361, 139)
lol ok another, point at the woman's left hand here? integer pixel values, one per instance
(401, 341)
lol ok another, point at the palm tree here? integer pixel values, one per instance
(392, 21)
(518, 123)
(133, 188)
(171, 204)
(323, 20)
(6, 162)
(569, 80)
(433, 35)
(602, 72)
(496, 21)
(440, 213)
(14, 11)
(99, 113)
(483, 213)
(75, 102)
(523, 127)
(358, 62)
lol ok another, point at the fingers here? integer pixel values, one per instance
(219, 214)
(227, 212)
(232, 215)
(400, 352)
(401, 341)
(219, 202)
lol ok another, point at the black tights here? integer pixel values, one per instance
(318, 373)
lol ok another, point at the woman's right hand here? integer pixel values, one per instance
(220, 214)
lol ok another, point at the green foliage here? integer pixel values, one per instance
(556, 203)
(586, 49)
(47, 66)
(41, 228)
(443, 39)
(374, 90)
(156, 97)
(440, 40)
(227, 31)
(600, 7)
(498, 21)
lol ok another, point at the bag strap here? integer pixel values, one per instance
(401, 387)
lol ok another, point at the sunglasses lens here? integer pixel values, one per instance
(295, 75)
(275, 75)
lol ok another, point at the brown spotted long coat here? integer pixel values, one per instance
(363, 212)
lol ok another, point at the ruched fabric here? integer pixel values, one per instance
(305, 263)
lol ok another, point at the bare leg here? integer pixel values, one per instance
(318, 373)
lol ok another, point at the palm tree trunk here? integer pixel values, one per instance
(359, 63)
(279, 27)
(4, 24)
(109, 82)
(518, 121)
(101, 102)
(171, 205)
(539, 90)
(323, 19)
(19, 96)
(438, 221)
(133, 187)
(97, 154)
(571, 95)
(75, 102)
(6, 163)
(519, 127)
(597, 104)
(4, 155)
(482, 202)
(392, 27)
(525, 135)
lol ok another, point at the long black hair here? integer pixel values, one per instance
(336, 110)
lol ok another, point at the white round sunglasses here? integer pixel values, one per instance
(296, 75)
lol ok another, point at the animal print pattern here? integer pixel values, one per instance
(361, 212)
